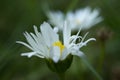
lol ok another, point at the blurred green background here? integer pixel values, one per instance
(17, 16)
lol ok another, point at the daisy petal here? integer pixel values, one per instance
(65, 53)
(25, 44)
(49, 35)
(55, 54)
(66, 33)
(78, 53)
(29, 54)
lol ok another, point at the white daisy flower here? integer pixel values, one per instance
(46, 44)
(85, 17)
(56, 18)
(58, 55)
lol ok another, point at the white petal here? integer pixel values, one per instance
(81, 44)
(66, 33)
(75, 37)
(84, 37)
(55, 29)
(31, 41)
(40, 41)
(56, 18)
(91, 39)
(49, 35)
(29, 54)
(41, 56)
(55, 54)
(25, 44)
(41, 48)
(36, 31)
(65, 53)
(78, 53)
(70, 16)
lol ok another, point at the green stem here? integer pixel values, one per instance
(98, 77)
(102, 57)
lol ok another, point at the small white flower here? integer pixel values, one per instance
(85, 17)
(46, 44)
(56, 18)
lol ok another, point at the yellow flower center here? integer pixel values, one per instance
(60, 45)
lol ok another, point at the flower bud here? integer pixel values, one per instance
(104, 34)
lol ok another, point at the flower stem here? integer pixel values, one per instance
(98, 77)
(102, 57)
